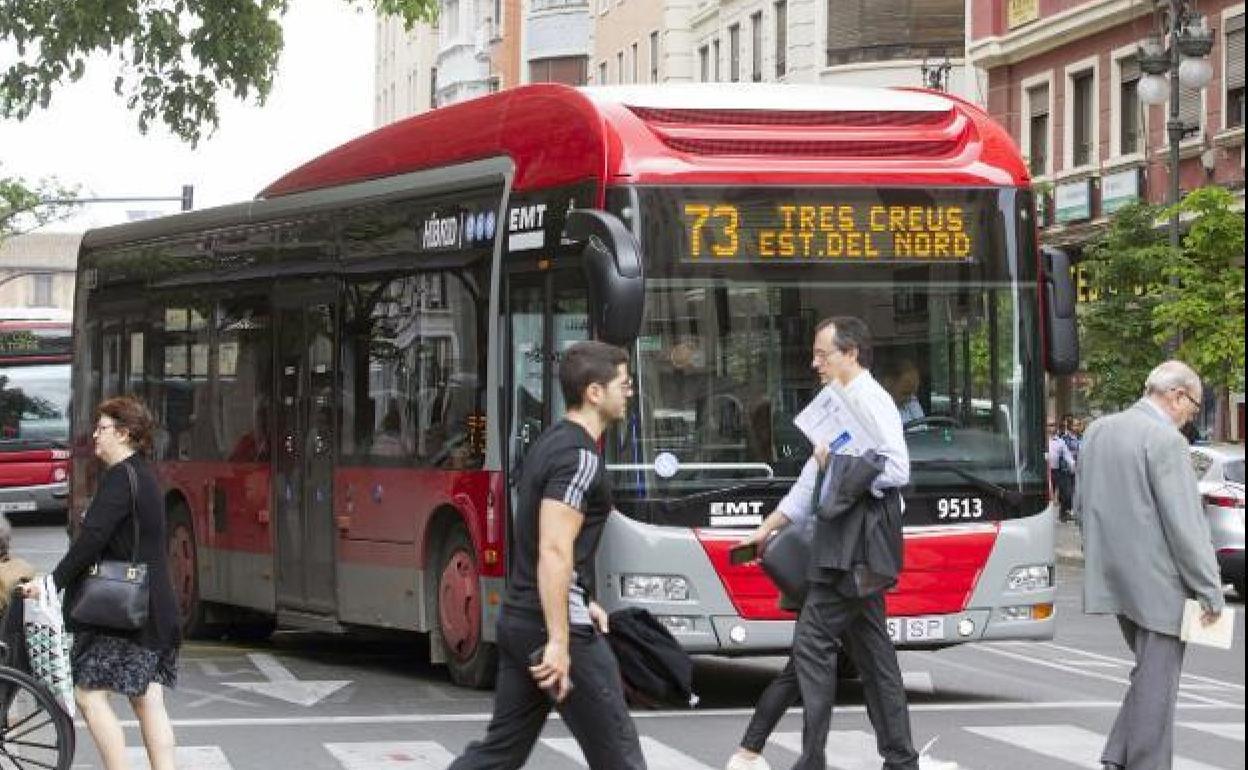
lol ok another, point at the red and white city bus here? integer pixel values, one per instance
(349, 369)
(35, 355)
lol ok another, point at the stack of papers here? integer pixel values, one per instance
(1220, 633)
(835, 420)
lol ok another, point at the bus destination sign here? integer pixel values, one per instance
(21, 343)
(831, 226)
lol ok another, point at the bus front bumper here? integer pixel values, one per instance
(39, 498)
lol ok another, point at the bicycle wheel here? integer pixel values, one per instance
(35, 732)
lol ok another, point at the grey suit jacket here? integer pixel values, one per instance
(1146, 540)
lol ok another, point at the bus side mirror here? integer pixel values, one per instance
(612, 261)
(1061, 325)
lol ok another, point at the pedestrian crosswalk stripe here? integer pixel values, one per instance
(659, 756)
(391, 755)
(1231, 730)
(847, 749)
(184, 758)
(918, 681)
(1070, 744)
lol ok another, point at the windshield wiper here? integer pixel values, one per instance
(1010, 497)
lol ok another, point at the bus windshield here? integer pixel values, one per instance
(723, 362)
(34, 406)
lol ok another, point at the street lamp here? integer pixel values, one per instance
(1186, 61)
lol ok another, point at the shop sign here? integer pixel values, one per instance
(1020, 12)
(1072, 201)
(1119, 189)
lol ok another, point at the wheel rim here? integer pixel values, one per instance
(459, 605)
(182, 565)
(33, 733)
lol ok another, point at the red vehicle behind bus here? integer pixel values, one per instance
(350, 368)
(35, 355)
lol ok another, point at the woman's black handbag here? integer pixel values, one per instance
(114, 593)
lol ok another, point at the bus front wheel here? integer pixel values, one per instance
(471, 661)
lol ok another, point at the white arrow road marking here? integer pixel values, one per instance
(409, 755)
(284, 686)
(184, 758)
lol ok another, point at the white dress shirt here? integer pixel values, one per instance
(867, 394)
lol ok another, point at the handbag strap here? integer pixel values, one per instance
(134, 509)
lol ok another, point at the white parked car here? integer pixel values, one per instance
(1220, 474)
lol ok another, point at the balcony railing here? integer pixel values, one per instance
(537, 6)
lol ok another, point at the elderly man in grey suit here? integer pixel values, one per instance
(1146, 550)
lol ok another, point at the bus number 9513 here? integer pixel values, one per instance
(960, 508)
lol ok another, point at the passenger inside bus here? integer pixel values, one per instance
(253, 446)
(900, 377)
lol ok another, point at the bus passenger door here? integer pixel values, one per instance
(304, 461)
(548, 312)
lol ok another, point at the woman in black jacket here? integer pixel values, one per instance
(138, 664)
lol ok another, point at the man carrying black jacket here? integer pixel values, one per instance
(551, 650)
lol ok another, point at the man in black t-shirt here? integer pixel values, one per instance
(551, 649)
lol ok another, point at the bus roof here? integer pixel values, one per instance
(679, 134)
(689, 134)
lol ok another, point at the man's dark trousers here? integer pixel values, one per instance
(826, 617)
(595, 711)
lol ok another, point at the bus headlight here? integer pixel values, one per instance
(1033, 577)
(661, 588)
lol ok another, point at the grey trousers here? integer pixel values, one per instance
(1143, 734)
(861, 624)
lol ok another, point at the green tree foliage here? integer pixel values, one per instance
(1125, 271)
(175, 58)
(23, 205)
(1208, 311)
(1136, 309)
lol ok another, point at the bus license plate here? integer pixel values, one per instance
(921, 629)
(18, 505)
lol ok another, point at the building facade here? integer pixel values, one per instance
(1063, 77)
(405, 78)
(841, 42)
(37, 270)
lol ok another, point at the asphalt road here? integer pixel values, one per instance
(319, 702)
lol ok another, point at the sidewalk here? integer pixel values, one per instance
(1068, 543)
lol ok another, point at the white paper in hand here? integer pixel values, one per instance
(1220, 633)
(832, 420)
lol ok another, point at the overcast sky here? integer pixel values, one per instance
(322, 96)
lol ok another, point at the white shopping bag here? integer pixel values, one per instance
(48, 643)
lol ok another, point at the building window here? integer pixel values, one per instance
(602, 73)
(715, 52)
(1234, 70)
(569, 70)
(1083, 118)
(782, 36)
(654, 57)
(1129, 106)
(704, 63)
(433, 87)
(1191, 108)
(756, 47)
(451, 14)
(41, 294)
(619, 66)
(1038, 129)
(633, 68)
(734, 53)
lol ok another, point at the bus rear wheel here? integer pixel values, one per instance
(183, 567)
(471, 661)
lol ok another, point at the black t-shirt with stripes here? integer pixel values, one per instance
(562, 465)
